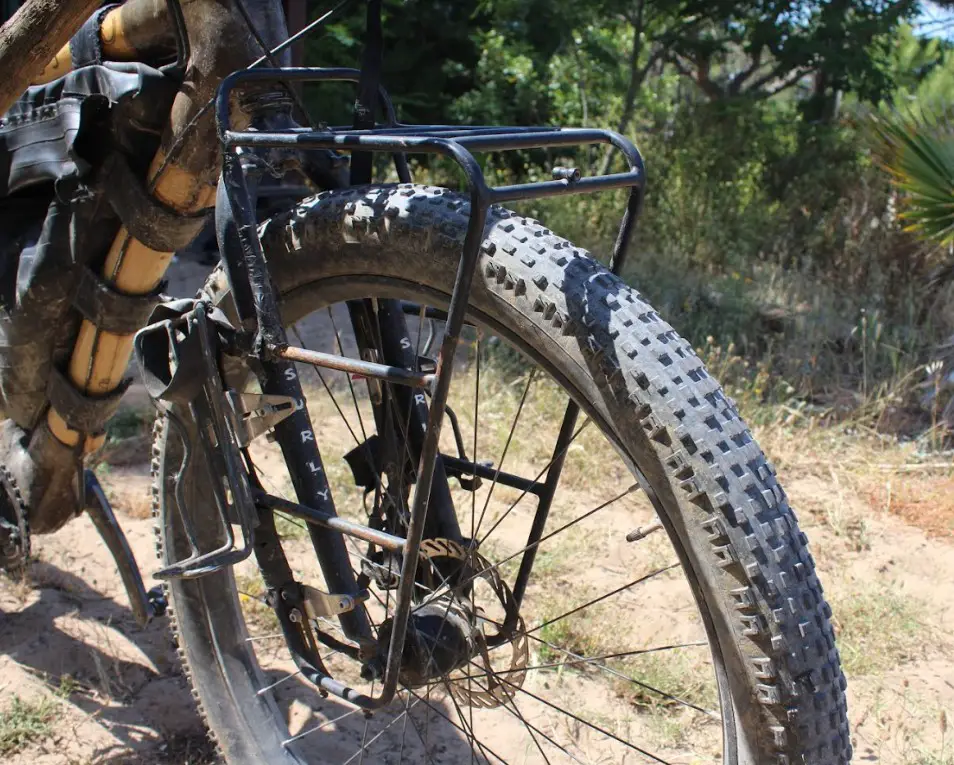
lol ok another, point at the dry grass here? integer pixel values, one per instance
(685, 676)
(914, 730)
(871, 470)
(26, 722)
(879, 629)
(923, 497)
(259, 616)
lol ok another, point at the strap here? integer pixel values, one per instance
(169, 351)
(367, 101)
(85, 46)
(154, 224)
(110, 310)
(80, 411)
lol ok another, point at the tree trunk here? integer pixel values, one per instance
(635, 80)
(32, 37)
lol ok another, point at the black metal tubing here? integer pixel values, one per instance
(100, 512)
(540, 517)
(326, 74)
(396, 139)
(329, 521)
(447, 131)
(257, 306)
(409, 418)
(435, 139)
(458, 467)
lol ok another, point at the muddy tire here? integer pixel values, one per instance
(781, 686)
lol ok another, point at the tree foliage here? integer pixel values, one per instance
(764, 205)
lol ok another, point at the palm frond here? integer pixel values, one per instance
(917, 150)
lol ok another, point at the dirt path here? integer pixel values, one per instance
(120, 695)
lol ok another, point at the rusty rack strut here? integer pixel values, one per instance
(258, 304)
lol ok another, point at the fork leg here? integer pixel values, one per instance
(144, 605)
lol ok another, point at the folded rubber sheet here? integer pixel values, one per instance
(54, 219)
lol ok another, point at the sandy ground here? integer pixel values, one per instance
(119, 693)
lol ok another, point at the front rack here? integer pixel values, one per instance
(456, 141)
(259, 314)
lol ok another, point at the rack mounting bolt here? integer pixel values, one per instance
(570, 174)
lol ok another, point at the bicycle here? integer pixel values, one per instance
(425, 587)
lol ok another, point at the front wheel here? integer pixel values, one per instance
(708, 639)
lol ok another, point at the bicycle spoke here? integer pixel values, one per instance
(503, 457)
(560, 530)
(262, 691)
(441, 714)
(532, 728)
(610, 670)
(473, 506)
(417, 730)
(536, 478)
(317, 728)
(546, 739)
(436, 642)
(256, 638)
(427, 724)
(585, 660)
(324, 383)
(354, 396)
(407, 700)
(472, 739)
(577, 658)
(516, 713)
(363, 445)
(470, 708)
(403, 715)
(473, 494)
(587, 723)
(364, 736)
(601, 598)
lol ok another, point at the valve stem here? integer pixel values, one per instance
(643, 531)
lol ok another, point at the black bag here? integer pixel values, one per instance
(54, 217)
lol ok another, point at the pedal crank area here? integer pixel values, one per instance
(260, 319)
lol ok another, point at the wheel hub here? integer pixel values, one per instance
(440, 638)
(453, 630)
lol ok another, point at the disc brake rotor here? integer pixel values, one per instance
(479, 684)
